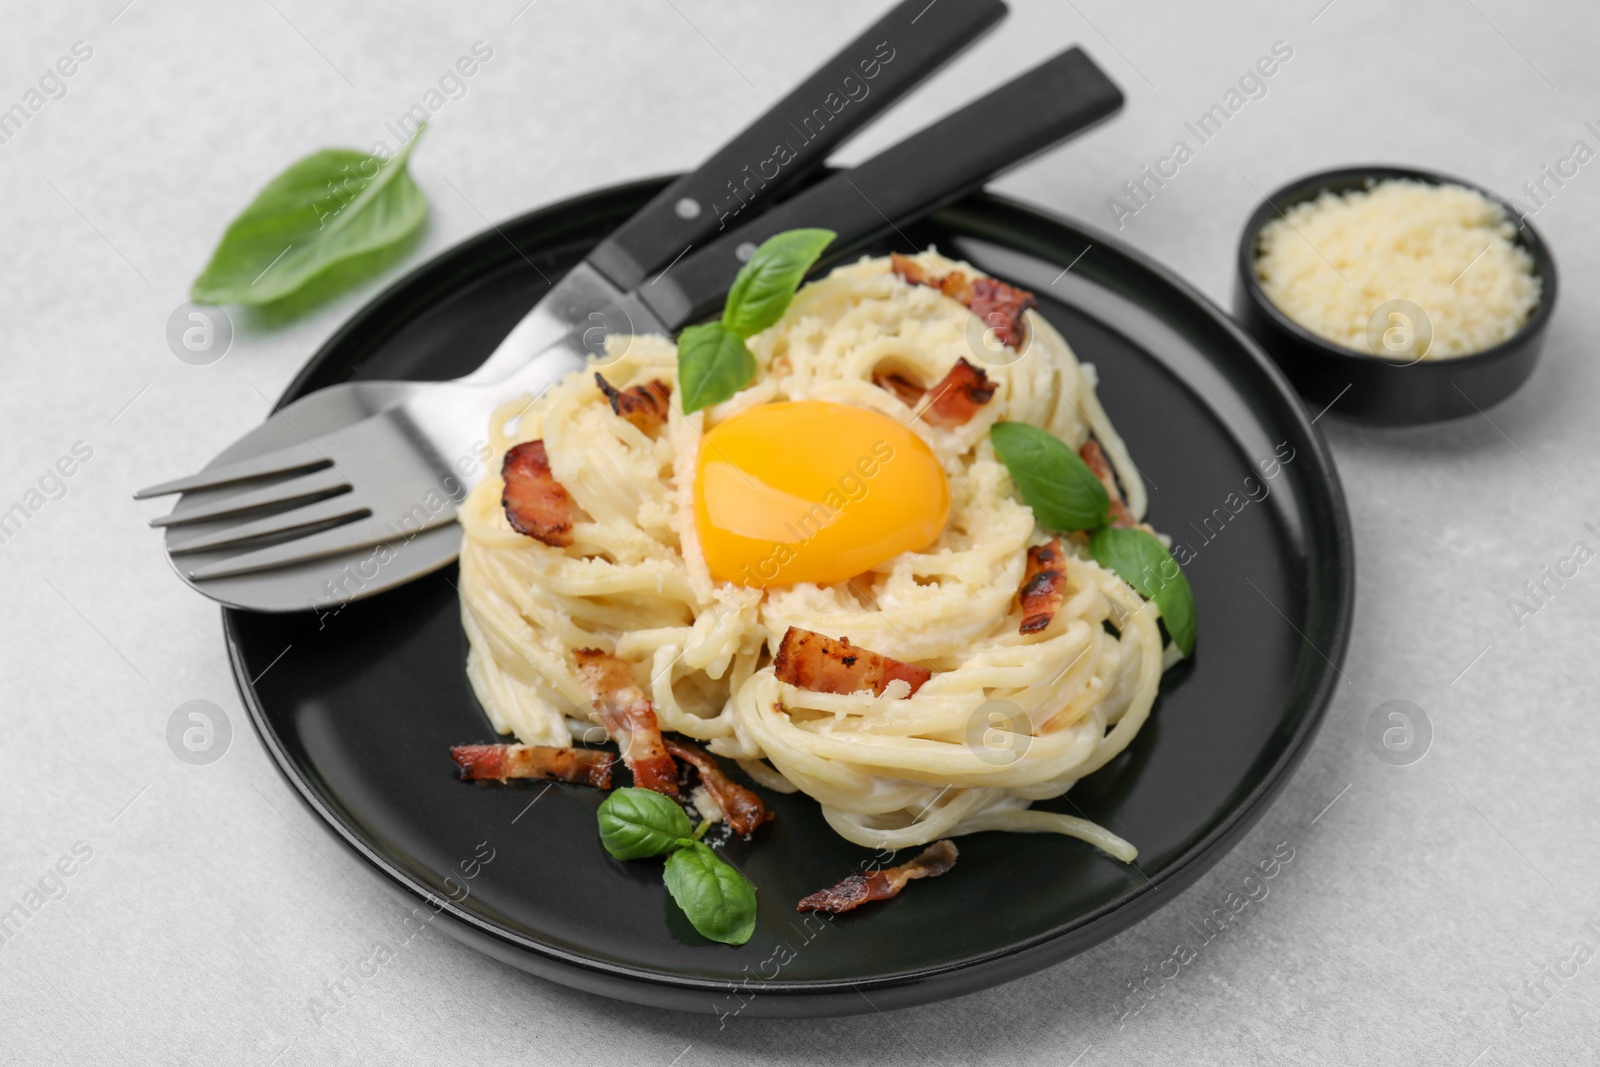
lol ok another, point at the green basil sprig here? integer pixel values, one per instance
(324, 211)
(1060, 488)
(719, 901)
(1143, 562)
(713, 362)
(1065, 495)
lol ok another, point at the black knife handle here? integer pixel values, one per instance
(795, 137)
(1061, 97)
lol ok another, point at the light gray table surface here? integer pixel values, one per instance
(1424, 904)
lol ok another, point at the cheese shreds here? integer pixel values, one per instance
(1332, 262)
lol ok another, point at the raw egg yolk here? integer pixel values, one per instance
(812, 491)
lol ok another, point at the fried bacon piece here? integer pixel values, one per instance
(1095, 459)
(956, 397)
(582, 765)
(1044, 587)
(643, 405)
(629, 718)
(812, 661)
(536, 504)
(857, 889)
(954, 285)
(999, 305)
(741, 808)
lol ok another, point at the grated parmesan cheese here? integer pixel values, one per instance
(1330, 263)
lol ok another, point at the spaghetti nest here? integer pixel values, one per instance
(1006, 719)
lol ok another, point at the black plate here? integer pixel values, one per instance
(360, 710)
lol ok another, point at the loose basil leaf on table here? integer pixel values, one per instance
(719, 901)
(324, 210)
(767, 283)
(635, 823)
(713, 362)
(1139, 559)
(1060, 488)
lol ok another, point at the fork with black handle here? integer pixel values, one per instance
(384, 466)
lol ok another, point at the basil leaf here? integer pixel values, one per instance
(719, 901)
(635, 823)
(330, 207)
(713, 364)
(1140, 560)
(765, 285)
(1060, 488)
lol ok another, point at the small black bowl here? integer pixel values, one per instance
(1368, 387)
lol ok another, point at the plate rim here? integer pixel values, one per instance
(829, 997)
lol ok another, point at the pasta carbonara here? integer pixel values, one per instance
(1006, 717)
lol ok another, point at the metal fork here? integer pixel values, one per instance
(399, 474)
(388, 477)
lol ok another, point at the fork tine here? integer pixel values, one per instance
(316, 483)
(362, 534)
(317, 513)
(283, 461)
